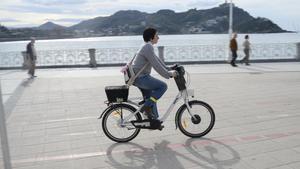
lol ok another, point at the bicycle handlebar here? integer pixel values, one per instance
(180, 80)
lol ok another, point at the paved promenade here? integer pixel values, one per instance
(52, 120)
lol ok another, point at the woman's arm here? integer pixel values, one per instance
(156, 63)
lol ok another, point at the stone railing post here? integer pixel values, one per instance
(161, 52)
(92, 54)
(298, 51)
(25, 59)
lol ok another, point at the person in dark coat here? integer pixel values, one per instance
(31, 56)
(233, 48)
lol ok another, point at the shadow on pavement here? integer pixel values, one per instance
(204, 153)
(13, 99)
(27, 82)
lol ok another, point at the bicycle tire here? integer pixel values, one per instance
(182, 123)
(109, 112)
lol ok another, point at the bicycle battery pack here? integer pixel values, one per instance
(146, 124)
(117, 93)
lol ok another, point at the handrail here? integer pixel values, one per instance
(118, 56)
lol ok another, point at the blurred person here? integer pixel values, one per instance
(247, 49)
(31, 56)
(233, 48)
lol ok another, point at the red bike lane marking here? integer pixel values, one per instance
(224, 140)
(241, 139)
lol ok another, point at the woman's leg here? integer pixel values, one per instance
(157, 88)
(247, 51)
(234, 56)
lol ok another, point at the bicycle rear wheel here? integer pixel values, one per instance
(200, 124)
(111, 123)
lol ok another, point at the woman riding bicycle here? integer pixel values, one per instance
(151, 88)
(122, 121)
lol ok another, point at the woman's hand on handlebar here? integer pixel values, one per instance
(173, 73)
(174, 66)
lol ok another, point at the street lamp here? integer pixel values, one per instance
(230, 18)
(230, 27)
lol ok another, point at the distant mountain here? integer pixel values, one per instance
(4, 32)
(133, 22)
(88, 24)
(120, 23)
(259, 25)
(214, 20)
(48, 30)
(50, 26)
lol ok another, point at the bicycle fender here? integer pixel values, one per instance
(111, 107)
(101, 115)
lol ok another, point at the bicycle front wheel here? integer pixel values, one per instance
(111, 123)
(200, 124)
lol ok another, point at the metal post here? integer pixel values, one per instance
(92, 53)
(161, 52)
(3, 135)
(230, 18)
(298, 51)
(230, 28)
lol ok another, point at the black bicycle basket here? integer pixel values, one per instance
(117, 93)
(180, 80)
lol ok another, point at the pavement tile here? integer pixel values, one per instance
(261, 161)
(286, 156)
(283, 167)
(54, 122)
(295, 165)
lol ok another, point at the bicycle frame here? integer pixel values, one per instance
(127, 114)
(184, 94)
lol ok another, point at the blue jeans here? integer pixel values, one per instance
(151, 87)
(234, 56)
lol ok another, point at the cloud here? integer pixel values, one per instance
(31, 9)
(284, 13)
(36, 11)
(68, 20)
(8, 20)
(55, 2)
(204, 3)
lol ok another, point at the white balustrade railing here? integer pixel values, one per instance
(195, 53)
(63, 57)
(114, 56)
(274, 51)
(110, 56)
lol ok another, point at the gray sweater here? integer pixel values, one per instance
(146, 55)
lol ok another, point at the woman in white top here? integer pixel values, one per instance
(247, 49)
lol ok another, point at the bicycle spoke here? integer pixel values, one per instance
(201, 122)
(112, 123)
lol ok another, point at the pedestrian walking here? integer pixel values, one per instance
(233, 48)
(247, 49)
(31, 56)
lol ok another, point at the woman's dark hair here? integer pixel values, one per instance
(246, 37)
(149, 34)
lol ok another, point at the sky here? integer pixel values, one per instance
(28, 13)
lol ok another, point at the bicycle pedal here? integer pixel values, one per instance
(131, 128)
(161, 127)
